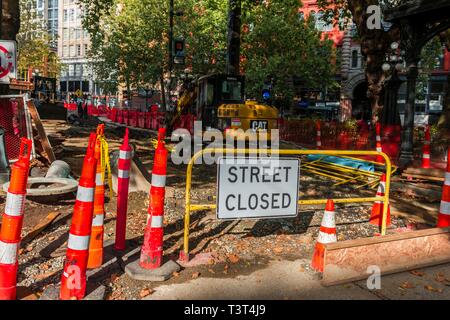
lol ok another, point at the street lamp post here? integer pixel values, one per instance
(392, 66)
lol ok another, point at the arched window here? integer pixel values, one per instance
(301, 16)
(355, 58)
(320, 23)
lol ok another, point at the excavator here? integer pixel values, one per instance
(218, 100)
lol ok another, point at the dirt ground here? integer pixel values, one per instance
(236, 248)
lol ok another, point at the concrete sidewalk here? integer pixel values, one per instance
(287, 280)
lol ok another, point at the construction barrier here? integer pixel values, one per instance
(123, 181)
(152, 248)
(184, 255)
(73, 279)
(12, 220)
(339, 136)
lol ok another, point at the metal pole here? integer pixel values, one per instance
(406, 151)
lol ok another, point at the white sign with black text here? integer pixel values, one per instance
(255, 188)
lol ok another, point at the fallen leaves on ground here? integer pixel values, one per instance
(145, 292)
(195, 275)
(417, 273)
(176, 274)
(430, 288)
(407, 285)
(211, 271)
(233, 258)
(44, 275)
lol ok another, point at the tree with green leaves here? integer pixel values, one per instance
(33, 42)
(130, 41)
(279, 45)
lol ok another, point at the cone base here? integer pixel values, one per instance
(95, 259)
(443, 221)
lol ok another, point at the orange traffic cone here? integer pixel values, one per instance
(95, 259)
(378, 206)
(12, 220)
(327, 234)
(73, 279)
(444, 210)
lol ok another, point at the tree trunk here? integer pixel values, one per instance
(374, 45)
(234, 37)
(9, 26)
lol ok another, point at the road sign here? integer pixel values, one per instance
(8, 62)
(79, 93)
(255, 188)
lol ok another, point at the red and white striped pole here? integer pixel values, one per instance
(152, 249)
(318, 135)
(73, 280)
(426, 158)
(123, 182)
(444, 211)
(12, 221)
(379, 146)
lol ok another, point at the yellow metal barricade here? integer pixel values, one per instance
(224, 151)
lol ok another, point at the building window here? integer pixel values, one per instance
(72, 51)
(65, 15)
(78, 50)
(86, 49)
(71, 15)
(355, 59)
(78, 70)
(65, 51)
(71, 70)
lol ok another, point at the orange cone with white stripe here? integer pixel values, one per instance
(96, 242)
(12, 221)
(379, 146)
(152, 248)
(73, 280)
(378, 206)
(426, 159)
(444, 211)
(327, 234)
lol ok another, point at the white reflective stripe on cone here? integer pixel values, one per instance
(125, 155)
(14, 204)
(445, 208)
(379, 150)
(319, 144)
(382, 188)
(123, 174)
(99, 179)
(98, 220)
(85, 194)
(78, 242)
(426, 142)
(157, 221)
(447, 179)
(426, 156)
(8, 252)
(319, 133)
(378, 139)
(328, 220)
(326, 237)
(158, 180)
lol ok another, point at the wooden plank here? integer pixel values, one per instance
(416, 176)
(437, 173)
(41, 131)
(40, 227)
(348, 261)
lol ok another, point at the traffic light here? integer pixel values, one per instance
(179, 51)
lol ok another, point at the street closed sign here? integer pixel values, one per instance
(255, 188)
